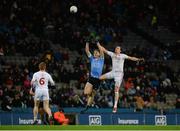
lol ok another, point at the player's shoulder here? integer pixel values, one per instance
(36, 73)
(48, 74)
(110, 52)
(124, 55)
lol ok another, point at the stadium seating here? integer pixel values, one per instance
(25, 45)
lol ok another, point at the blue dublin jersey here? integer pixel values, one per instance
(96, 66)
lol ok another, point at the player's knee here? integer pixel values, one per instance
(87, 92)
(117, 84)
(46, 108)
(102, 77)
(35, 107)
(116, 89)
(90, 94)
(93, 92)
(116, 92)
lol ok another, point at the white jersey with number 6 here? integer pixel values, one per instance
(40, 80)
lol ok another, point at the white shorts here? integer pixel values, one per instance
(41, 95)
(117, 76)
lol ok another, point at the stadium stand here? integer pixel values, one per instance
(31, 31)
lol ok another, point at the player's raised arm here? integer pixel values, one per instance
(33, 80)
(51, 81)
(87, 49)
(106, 51)
(100, 49)
(31, 92)
(135, 58)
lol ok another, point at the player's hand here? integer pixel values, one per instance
(97, 39)
(87, 39)
(141, 59)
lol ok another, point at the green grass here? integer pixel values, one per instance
(87, 127)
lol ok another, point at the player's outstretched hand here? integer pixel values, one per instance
(87, 39)
(97, 39)
(141, 59)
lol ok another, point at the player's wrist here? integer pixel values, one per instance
(141, 59)
(97, 42)
(97, 39)
(87, 40)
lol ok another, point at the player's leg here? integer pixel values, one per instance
(43, 114)
(36, 105)
(46, 104)
(92, 96)
(35, 110)
(118, 80)
(95, 85)
(47, 109)
(116, 96)
(108, 75)
(103, 77)
(41, 110)
(88, 92)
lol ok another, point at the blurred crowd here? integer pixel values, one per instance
(30, 28)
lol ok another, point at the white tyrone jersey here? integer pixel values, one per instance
(117, 61)
(41, 79)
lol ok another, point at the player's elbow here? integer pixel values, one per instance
(31, 92)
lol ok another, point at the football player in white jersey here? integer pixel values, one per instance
(117, 72)
(41, 80)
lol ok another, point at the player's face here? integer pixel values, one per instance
(118, 50)
(96, 54)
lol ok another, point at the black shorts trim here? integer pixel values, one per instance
(95, 82)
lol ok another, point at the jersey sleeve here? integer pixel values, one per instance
(51, 80)
(110, 53)
(125, 56)
(33, 79)
(89, 55)
(91, 58)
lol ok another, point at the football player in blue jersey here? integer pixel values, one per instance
(96, 63)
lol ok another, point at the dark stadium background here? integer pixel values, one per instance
(44, 30)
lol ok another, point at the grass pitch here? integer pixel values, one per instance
(87, 127)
